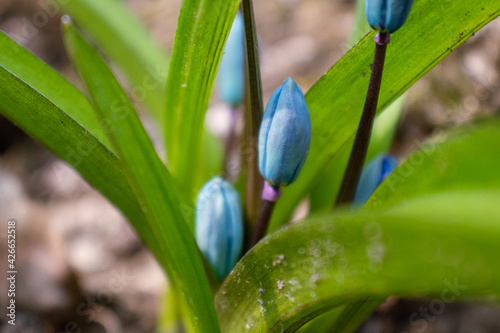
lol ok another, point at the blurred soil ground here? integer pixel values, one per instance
(83, 269)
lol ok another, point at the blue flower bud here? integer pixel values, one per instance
(231, 78)
(387, 15)
(219, 225)
(285, 135)
(374, 173)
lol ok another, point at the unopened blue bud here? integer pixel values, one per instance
(219, 225)
(231, 78)
(387, 15)
(285, 135)
(374, 173)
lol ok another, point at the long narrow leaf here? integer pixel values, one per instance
(199, 42)
(151, 182)
(39, 117)
(118, 33)
(47, 82)
(444, 243)
(466, 158)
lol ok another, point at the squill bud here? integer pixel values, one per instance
(285, 135)
(374, 173)
(231, 77)
(387, 16)
(219, 225)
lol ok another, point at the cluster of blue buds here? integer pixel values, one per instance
(285, 135)
(231, 77)
(387, 16)
(219, 225)
(374, 173)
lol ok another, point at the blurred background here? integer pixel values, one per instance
(82, 267)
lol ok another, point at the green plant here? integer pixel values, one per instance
(439, 222)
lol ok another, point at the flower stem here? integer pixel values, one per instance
(254, 111)
(270, 195)
(362, 139)
(264, 218)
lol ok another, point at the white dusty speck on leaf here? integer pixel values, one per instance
(279, 259)
(291, 298)
(281, 284)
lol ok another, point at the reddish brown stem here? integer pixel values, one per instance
(362, 140)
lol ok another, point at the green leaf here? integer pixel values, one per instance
(353, 315)
(169, 318)
(442, 246)
(118, 33)
(152, 184)
(323, 322)
(48, 83)
(463, 159)
(199, 42)
(336, 100)
(345, 319)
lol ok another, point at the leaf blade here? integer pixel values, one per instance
(119, 34)
(449, 161)
(199, 43)
(39, 76)
(397, 251)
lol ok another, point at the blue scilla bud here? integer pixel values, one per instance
(373, 174)
(231, 78)
(285, 135)
(219, 225)
(387, 15)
